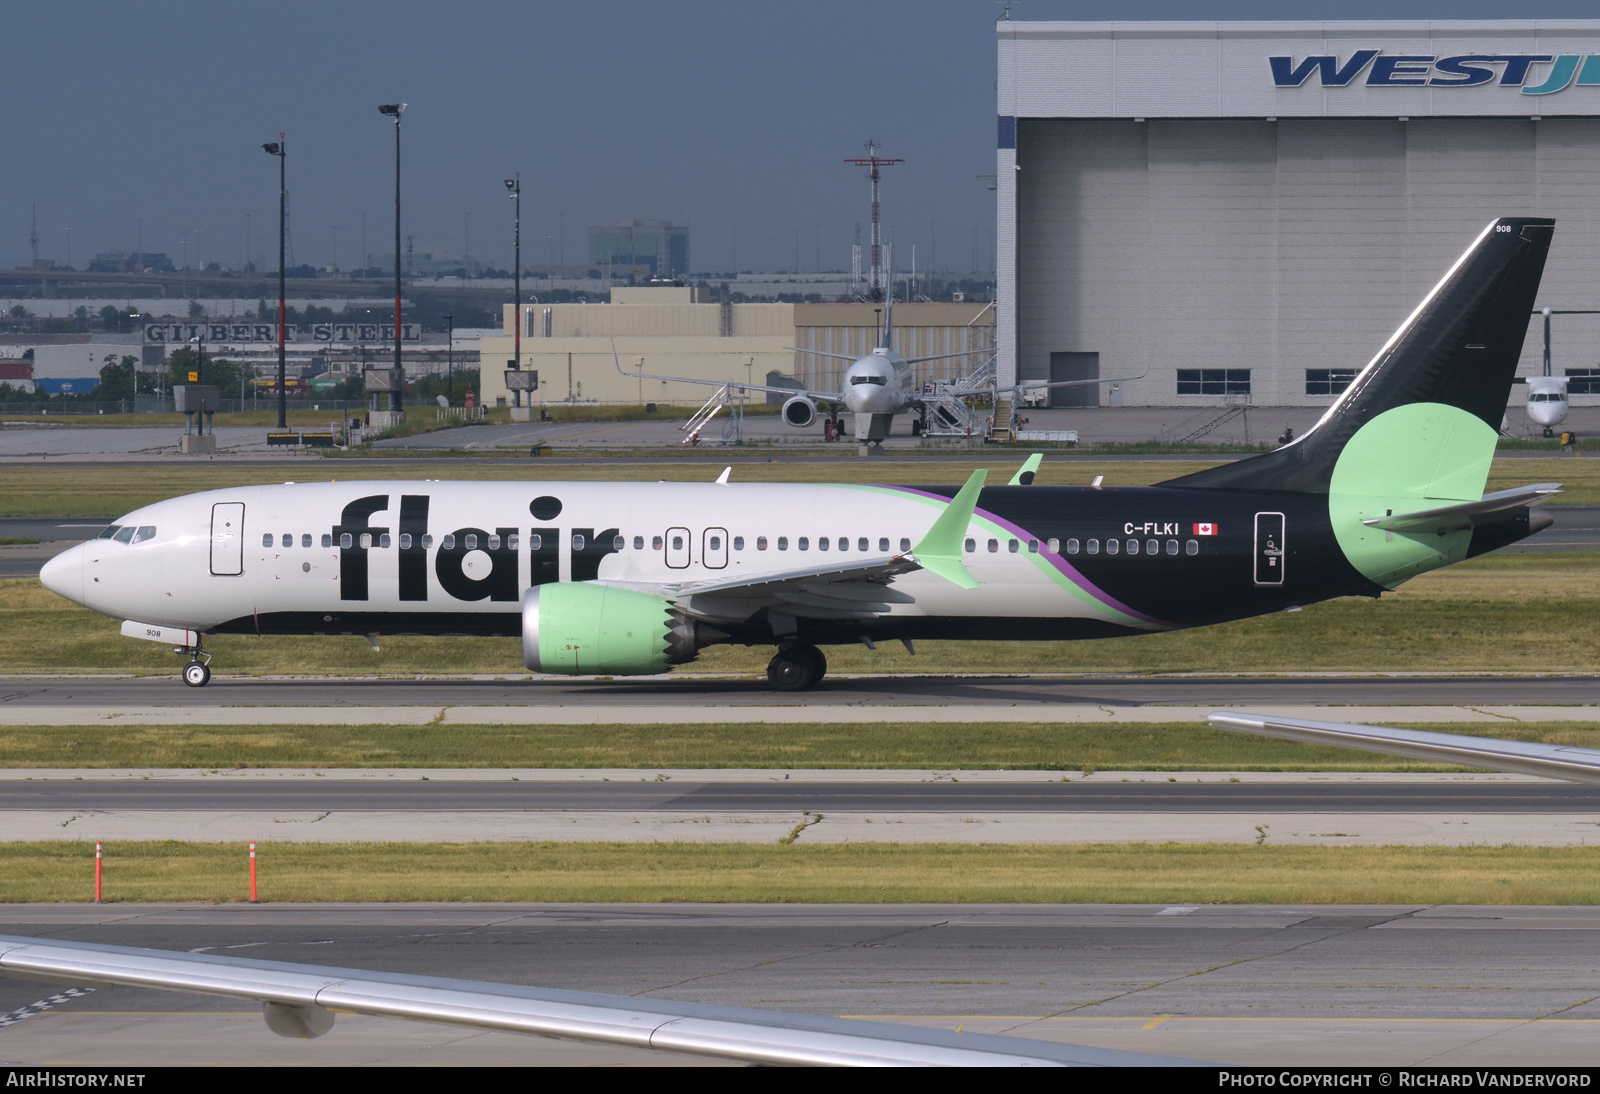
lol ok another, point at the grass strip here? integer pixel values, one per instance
(941, 746)
(864, 873)
(1473, 616)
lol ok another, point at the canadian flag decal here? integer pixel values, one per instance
(1205, 529)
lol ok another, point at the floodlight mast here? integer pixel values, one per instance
(874, 162)
(280, 148)
(397, 395)
(514, 185)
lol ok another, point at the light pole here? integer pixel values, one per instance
(514, 185)
(450, 357)
(280, 148)
(397, 396)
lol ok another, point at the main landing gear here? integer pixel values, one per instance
(197, 673)
(796, 668)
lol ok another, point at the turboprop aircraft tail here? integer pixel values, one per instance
(1422, 418)
(1404, 454)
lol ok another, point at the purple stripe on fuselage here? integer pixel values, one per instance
(1069, 571)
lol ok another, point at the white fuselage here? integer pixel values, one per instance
(1547, 400)
(399, 552)
(882, 382)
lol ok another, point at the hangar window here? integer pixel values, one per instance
(1213, 381)
(305, 540)
(1583, 381)
(905, 544)
(1328, 381)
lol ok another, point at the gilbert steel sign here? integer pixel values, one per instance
(325, 333)
(1532, 73)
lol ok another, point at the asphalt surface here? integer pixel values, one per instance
(842, 692)
(1155, 796)
(1334, 984)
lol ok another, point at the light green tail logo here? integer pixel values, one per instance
(1413, 457)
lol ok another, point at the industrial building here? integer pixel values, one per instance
(1244, 212)
(642, 247)
(681, 331)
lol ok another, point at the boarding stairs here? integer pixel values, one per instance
(732, 426)
(1208, 419)
(949, 412)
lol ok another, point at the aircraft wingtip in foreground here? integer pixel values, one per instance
(633, 578)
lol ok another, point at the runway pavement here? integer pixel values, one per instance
(697, 697)
(1268, 985)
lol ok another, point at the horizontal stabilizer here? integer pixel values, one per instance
(1579, 765)
(1451, 518)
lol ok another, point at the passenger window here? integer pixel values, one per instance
(1033, 546)
(1093, 546)
(1191, 547)
(427, 541)
(994, 545)
(288, 541)
(716, 542)
(305, 540)
(1072, 546)
(677, 543)
(783, 543)
(1113, 546)
(266, 540)
(383, 540)
(125, 535)
(761, 543)
(738, 543)
(1172, 546)
(638, 543)
(148, 531)
(883, 545)
(803, 544)
(470, 542)
(905, 544)
(861, 544)
(971, 545)
(346, 541)
(366, 540)
(577, 543)
(822, 543)
(617, 542)
(449, 542)
(111, 530)
(1011, 545)
(494, 543)
(1133, 546)
(327, 539)
(535, 542)
(1054, 546)
(1152, 547)
(655, 543)
(511, 542)
(405, 541)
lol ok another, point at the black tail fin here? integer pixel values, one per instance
(1459, 348)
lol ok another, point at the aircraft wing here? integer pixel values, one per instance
(1035, 384)
(855, 589)
(821, 396)
(302, 1001)
(1580, 765)
(1468, 513)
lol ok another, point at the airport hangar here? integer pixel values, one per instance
(1249, 210)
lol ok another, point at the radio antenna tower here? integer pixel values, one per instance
(33, 238)
(873, 162)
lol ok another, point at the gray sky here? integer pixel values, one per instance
(733, 116)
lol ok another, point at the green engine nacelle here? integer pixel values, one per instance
(581, 628)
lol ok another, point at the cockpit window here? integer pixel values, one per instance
(125, 535)
(147, 531)
(881, 381)
(111, 530)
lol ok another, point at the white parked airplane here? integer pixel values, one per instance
(875, 387)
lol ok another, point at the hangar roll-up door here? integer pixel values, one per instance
(1074, 366)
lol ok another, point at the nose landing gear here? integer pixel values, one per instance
(197, 673)
(796, 667)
